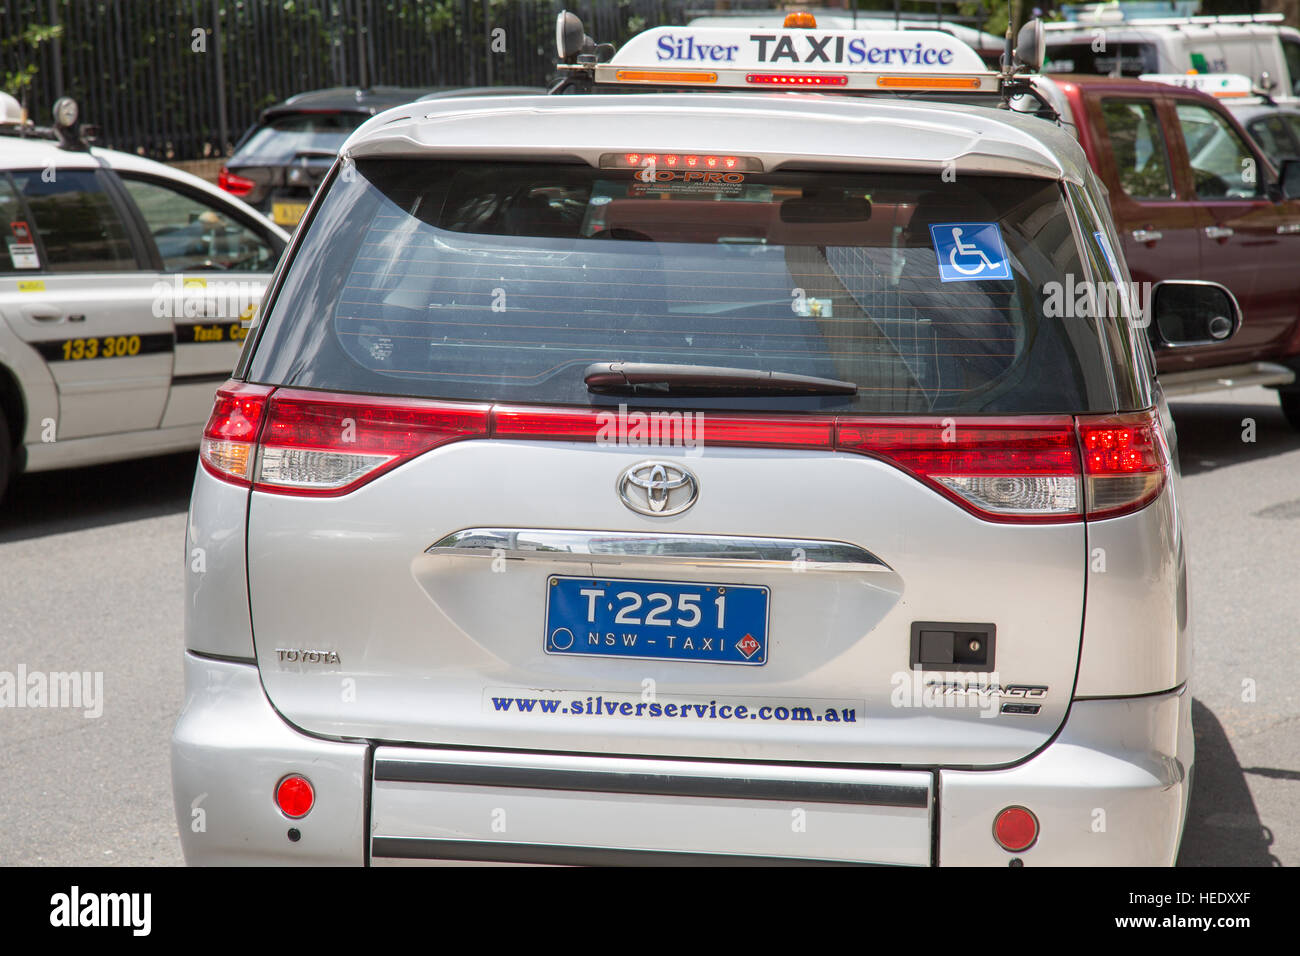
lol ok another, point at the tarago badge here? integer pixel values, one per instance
(970, 251)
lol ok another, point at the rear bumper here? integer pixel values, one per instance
(1111, 789)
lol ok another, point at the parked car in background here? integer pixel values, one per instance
(279, 162)
(1194, 198)
(1275, 129)
(126, 290)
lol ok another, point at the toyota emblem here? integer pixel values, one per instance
(658, 488)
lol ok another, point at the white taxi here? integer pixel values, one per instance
(126, 291)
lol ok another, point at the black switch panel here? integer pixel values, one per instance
(945, 646)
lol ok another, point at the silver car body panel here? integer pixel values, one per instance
(454, 633)
(216, 577)
(1137, 628)
(1111, 790)
(229, 752)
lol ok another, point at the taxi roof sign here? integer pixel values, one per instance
(848, 60)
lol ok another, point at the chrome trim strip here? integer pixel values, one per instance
(476, 851)
(739, 787)
(625, 547)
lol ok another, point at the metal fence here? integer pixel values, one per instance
(183, 79)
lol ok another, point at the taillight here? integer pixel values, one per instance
(698, 161)
(655, 428)
(317, 443)
(1027, 469)
(1010, 470)
(230, 437)
(232, 183)
(1125, 462)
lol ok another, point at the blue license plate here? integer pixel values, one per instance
(665, 620)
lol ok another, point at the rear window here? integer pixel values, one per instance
(284, 137)
(504, 282)
(1112, 58)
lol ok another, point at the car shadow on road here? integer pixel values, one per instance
(1213, 434)
(1223, 827)
(53, 502)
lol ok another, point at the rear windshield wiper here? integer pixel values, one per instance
(639, 378)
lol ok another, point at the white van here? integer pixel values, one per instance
(1259, 47)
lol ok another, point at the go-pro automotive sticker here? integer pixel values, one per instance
(970, 251)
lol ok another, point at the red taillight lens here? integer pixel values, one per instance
(1125, 462)
(717, 161)
(1015, 829)
(659, 428)
(232, 183)
(1008, 470)
(797, 79)
(316, 443)
(294, 796)
(230, 437)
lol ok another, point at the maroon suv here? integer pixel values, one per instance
(1193, 197)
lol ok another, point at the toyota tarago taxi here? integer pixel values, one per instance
(680, 468)
(126, 288)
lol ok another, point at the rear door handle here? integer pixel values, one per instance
(1218, 232)
(1146, 235)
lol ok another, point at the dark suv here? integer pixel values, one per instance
(280, 161)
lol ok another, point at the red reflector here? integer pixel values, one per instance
(317, 443)
(294, 796)
(230, 436)
(1015, 829)
(797, 79)
(232, 183)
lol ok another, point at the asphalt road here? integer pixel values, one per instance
(91, 580)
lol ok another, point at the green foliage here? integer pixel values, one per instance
(13, 81)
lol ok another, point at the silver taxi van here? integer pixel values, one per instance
(713, 461)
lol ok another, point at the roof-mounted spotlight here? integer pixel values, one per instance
(66, 123)
(571, 39)
(1030, 46)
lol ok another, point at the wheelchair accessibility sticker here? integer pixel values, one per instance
(970, 251)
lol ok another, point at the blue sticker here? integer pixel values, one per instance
(970, 251)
